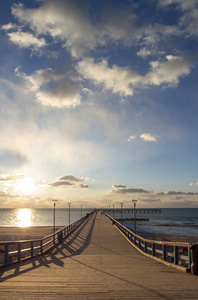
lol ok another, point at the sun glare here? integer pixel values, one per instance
(25, 185)
(24, 217)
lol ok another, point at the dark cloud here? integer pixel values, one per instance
(126, 190)
(118, 186)
(7, 177)
(177, 193)
(150, 200)
(69, 181)
(61, 183)
(83, 186)
(70, 178)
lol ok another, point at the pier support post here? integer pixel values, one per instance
(194, 257)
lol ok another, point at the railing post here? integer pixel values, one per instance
(41, 247)
(189, 258)
(139, 243)
(32, 249)
(194, 256)
(164, 252)
(19, 252)
(176, 255)
(145, 247)
(6, 259)
(153, 249)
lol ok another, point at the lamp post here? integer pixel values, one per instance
(81, 211)
(134, 202)
(121, 203)
(54, 214)
(113, 210)
(69, 212)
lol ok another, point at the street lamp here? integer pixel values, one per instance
(81, 211)
(69, 212)
(113, 210)
(54, 214)
(121, 203)
(134, 202)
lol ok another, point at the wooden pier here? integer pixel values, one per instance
(132, 210)
(96, 262)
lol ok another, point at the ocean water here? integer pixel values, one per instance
(176, 221)
(25, 217)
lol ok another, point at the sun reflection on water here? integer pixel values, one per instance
(24, 217)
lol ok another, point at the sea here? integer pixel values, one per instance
(173, 221)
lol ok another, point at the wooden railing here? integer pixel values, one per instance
(13, 251)
(175, 253)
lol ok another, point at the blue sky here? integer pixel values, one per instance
(99, 103)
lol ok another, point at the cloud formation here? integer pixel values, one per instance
(117, 79)
(193, 183)
(26, 39)
(70, 25)
(8, 177)
(132, 137)
(177, 193)
(123, 80)
(122, 189)
(55, 88)
(148, 137)
(68, 181)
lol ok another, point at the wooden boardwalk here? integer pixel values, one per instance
(95, 262)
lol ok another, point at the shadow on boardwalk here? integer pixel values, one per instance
(82, 236)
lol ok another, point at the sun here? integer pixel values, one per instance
(25, 185)
(24, 217)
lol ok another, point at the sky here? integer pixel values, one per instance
(99, 103)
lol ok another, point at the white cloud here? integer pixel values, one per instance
(26, 39)
(148, 137)
(144, 52)
(64, 20)
(9, 26)
(123, 80)
(115, 78)
(169, 71)
(132, 137)
(193, 183)
(80, 32)
(69, 22)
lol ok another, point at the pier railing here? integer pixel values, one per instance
(171, 253)
(132, 210)
(14, 251)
